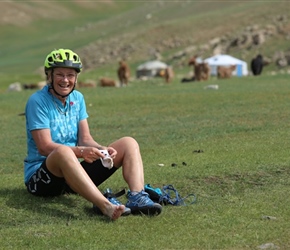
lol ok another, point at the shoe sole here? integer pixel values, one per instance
(155, 210)
(126, 213)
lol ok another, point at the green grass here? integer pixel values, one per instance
(242, 128)
(241, 175)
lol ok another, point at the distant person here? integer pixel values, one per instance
(58, 136)
(257, 65)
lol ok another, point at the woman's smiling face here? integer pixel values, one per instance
(64, 80)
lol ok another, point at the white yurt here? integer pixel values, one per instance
(150, 69)
(227, 60)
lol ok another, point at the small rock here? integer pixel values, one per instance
(267, 217)
(215, 86)
(198, 151)
(268, 246)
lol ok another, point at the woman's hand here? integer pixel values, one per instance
(112, 152)
(90, 154)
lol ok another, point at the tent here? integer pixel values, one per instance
(150, 69)
(227, 60)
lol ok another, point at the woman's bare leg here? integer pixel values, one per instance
(62, 162)
(130, 159)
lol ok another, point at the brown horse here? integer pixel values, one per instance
(201, 70)
(123, 73)
(169, 74)
(225, 72)
(107, 82)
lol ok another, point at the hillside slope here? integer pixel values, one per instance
(104, 32)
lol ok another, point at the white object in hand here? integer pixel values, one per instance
(107, 161)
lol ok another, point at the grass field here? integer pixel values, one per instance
(241, 176)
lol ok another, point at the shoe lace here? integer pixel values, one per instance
(143, 197)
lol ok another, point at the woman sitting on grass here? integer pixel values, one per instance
(58, 134)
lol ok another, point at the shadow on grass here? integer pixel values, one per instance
(63, 206)
(25, 206)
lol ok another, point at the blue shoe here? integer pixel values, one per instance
(155, 194)
(113, 199)
(141, 203)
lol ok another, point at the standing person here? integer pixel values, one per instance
(58, 136)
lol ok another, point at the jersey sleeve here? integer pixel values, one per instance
(36, 114)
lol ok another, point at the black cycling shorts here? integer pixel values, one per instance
(44, 183)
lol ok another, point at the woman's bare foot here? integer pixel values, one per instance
(114, 212)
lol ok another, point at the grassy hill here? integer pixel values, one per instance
(29, 30)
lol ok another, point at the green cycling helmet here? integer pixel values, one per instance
(64, 58)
